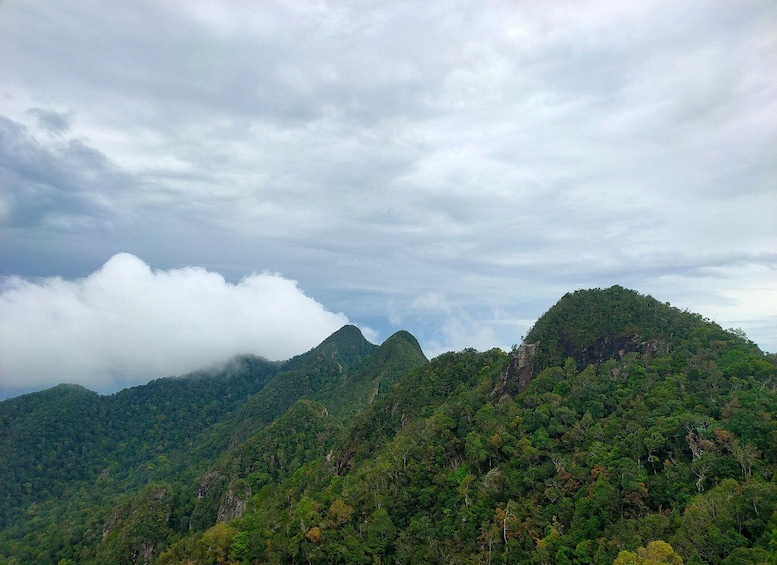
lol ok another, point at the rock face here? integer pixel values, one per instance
(208, 483)
(234, 503)
(519, 372)
(616, 347)
(521, 369)
(138, 526)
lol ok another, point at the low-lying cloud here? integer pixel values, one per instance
(126, 324)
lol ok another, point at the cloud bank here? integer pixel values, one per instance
(126, 324)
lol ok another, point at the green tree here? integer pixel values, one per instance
(655, 553)
(380, 532)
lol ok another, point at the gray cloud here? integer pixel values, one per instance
(55, 183)
(51, 121)
(495, 156)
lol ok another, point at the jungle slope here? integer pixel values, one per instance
(641, 423)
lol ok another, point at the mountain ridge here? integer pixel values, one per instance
(635, 420)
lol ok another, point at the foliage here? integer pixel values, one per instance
(618, 443)
(656, 553)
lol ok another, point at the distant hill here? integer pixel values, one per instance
(622, 429)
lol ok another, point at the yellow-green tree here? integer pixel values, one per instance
(656, 553)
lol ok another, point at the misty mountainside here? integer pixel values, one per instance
(622, 430)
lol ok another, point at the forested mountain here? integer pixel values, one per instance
(56, 440)
(621, 431)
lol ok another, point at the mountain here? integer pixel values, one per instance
(375, 375)
(67, 450)
(337, 378)
(622, 430)
(53, 440)
(302, 376)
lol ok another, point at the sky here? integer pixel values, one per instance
(183, 181)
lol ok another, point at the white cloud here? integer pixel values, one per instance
(461, 331)
(126, 324)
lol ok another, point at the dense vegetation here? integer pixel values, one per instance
(55, 440)
(647, 435)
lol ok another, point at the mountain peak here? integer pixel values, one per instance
(348, 332)
(596, 324)
(347, 345)
(389, 362)
(407, 337)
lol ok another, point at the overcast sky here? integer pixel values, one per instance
(185, 180)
